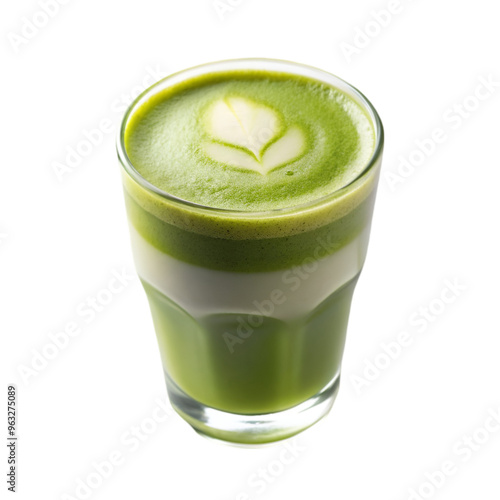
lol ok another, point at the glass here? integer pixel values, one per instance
(251, 354)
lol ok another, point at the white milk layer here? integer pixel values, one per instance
(288, 293)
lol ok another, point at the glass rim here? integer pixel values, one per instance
(263, 64)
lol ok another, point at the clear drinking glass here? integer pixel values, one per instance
(252, 344)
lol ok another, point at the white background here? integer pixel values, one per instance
(61, 239)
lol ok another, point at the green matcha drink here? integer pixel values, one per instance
(249, 187)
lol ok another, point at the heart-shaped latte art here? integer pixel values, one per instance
(250, 135)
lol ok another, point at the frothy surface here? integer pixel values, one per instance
(250, 140)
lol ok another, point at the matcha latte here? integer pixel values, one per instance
(249, 188)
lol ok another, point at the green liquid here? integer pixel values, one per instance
(277, 366)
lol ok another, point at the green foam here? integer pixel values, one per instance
(165, 137)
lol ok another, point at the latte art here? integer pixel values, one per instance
(251, 136)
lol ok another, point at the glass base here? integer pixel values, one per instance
(248, 430)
